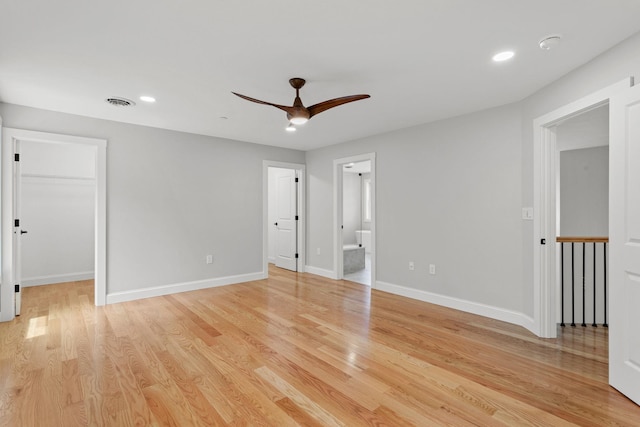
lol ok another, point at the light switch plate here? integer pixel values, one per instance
(527, 214)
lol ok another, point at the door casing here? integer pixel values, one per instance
(301, 226)
(545, 256)
(338, 272)
(9, 136)
(286, 226)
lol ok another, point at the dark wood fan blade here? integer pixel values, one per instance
(323, 106)
(257, 101)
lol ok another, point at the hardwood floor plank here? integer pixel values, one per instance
(71, 383)
(301, 401)
(203, 412)
(295, 349)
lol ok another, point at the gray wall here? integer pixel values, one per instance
(172, 198)
(584, 192)
(448, 193)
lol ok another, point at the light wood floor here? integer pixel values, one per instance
(292, 350)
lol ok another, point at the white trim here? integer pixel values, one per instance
(329, 274)
(58, 179)
(156, 291)
(57, 278)
(544, 204)
(9, 136)
(301, 174)
(489, 311)
(337, 213)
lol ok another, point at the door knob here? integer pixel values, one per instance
(275, 223)
(23, 231)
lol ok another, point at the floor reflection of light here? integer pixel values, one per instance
(37, 327)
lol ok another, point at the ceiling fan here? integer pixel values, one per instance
(299, 114)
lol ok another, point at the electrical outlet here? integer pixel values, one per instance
(411, 266)
(209, 259)
(432, 269)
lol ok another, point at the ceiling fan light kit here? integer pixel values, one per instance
(298, 114)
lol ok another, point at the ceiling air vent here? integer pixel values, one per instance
(120, 102)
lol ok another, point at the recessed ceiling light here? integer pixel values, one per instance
(550, 42)
(503, 56)
(147, 98)
(290, 128)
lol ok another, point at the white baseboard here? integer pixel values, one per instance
(492, 312)
(330, 274)
(56, 278)
(157, 291)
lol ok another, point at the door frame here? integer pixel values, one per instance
(9, 135)
(338, 273)
(545, 256)
(301, 225)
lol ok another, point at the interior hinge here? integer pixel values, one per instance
(16, 223)
(296, 217)
(296, 256)
(543, 241)
(17, 287)
(16, 157)
(296, 179)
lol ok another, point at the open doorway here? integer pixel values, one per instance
(354, 218)
(12, 229)
(283, 216)
(57, 212)
(356, 222)
(582, 216)
(546, 256)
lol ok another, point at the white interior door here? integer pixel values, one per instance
(286, 223)
(624, 230)
(17, 230)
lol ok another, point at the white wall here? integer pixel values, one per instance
(172, 199)
(58, 204)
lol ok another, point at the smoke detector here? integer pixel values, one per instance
(120, 102)
(550, 42)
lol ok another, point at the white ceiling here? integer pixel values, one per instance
(420, 60)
